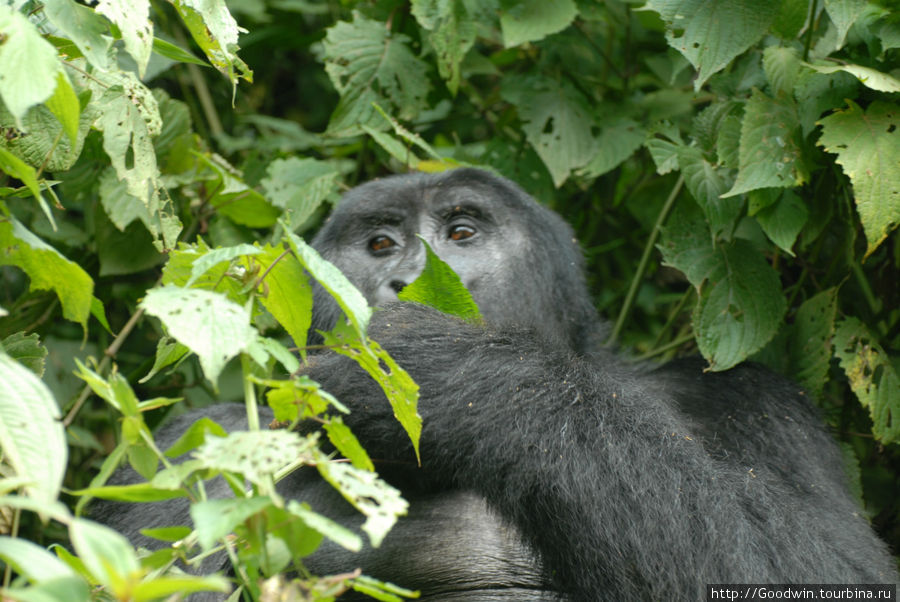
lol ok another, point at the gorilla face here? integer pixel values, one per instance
(515, 257)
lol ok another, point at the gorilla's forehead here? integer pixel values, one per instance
(397, 198)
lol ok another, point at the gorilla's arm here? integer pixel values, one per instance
(603, 468)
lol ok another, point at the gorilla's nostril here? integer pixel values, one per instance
(398, 285)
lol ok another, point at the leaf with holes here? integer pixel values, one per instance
(205, 322)
(867, 144)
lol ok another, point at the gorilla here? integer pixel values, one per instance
(553, 468)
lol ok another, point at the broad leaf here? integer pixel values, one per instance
(216, 32)
(438, 286)
(214, 519)
(285, 292)
(207, 323)
(300, 186)
(28, 64)
(810, 347)
(872, 376)
(451, 33)
(710, 33)
(132, 18)
(866, 143)
(533, 20)
(32, 438)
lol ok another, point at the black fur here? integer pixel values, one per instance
(553, 468)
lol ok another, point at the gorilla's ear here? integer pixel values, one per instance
(438, 286)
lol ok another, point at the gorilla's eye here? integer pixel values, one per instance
(461, 232)
(381, 243)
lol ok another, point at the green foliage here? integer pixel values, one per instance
(731, 169)
(438, 286)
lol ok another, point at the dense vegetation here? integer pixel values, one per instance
(732, 169)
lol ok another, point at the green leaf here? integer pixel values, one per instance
(783, 220)
(368, 64)
(706, 183)
(334, 531)
(195, 436)
(214, 519)
(15, 167)
(710, 33)
(84, 27)
(106, 554)
(740, 304)
(843, 14)
(235, 200)
(28, 64)
(533, 20)
(167, 353)
(347, 296)
(379, 502)
(32, 438)
(771, 155)
(64, 104)
(207, 323)
(216, 32)
(27, 350)
(809, 345)
(163, 586)
(300, 186)
(176, 53)
(438, 286)
(256, 455)
(869, 77)
(47, 269)
(619, 138)
(347, 444)
(782, 66)
(137, 493)
(32, 561)
(451, 31)
(557, 121)
(866, 144)
(791, 17)
(288, 397)
(216, 256)
(402, 392)
(132, 18)
(872, 376)
(285, 292)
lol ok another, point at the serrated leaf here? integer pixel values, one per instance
(619, 138)
(402, 392)
(809, 345)
(791, 17)
(348, 297)
(132, 17)
(379, 502)
(300, 185)
(770, 153)
(216, 33)
(843, 13)
(451, 31)
(706, 184)
(214, 519)
(210, 325)
(556, 120)
(106, 554)
(710, 33)
(533, 20)
(369, 65)
(728, 142)
(867, 144)
(438, 286)
(782, 66)
(84, 27)
(741, 303)
(872, 376)
(783, 221)
(28, 64)
(47, 269)
(32, 438)
(27, 350)
(285, 292)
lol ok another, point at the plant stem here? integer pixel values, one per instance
(645, 258)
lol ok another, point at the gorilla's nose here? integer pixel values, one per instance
(398, 285)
